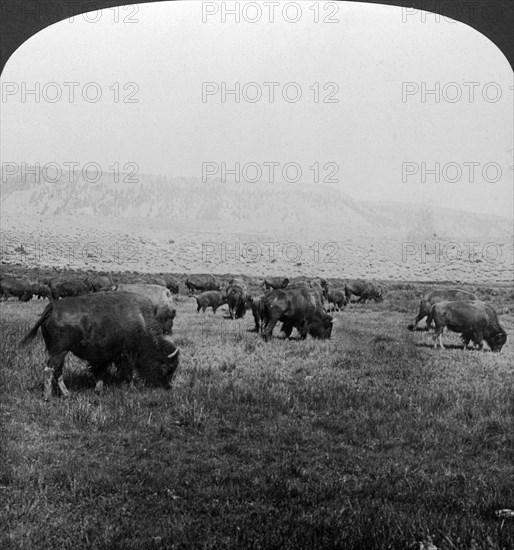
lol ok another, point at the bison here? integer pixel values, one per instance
(171, 283)
(63, 289)
(112, 327)
(99, 283)
(202, 283)
(237, 299)
(337, 299)
(210, 298)
(275, 282)
(476, 321)
(257, 310)
(161, 299)
(11, 286)
(298, 308)
(41, 290)
(434, 296)
(366, 290)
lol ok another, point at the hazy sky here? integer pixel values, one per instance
(378, 133)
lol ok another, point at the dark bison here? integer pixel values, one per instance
(210, 298)
(476, 322)
(275, 282)
(201, 283)
(434, 296)
(162, 302)
(366, 290)
(99, 283)
(257, 311)
(298, 308)
(41, 290)
(238, 300)
(337, 299)
(63, 289)
(171, 283)
(11, 286)
(112, 327)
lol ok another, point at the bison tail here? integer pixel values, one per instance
(32, 334)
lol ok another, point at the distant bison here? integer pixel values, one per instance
(202, 282)
(298, 308)
(337, 299)
(366, 290)
(67, 288)
(99, 283)
(161, 299)
(434, 296)
(171, 283)
(237, 299)
(476, 322)
(41, 290)
(210, 298)
(257, 310)
(112, 327)
(11, 286)
(275, 282)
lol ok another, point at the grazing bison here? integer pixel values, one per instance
(275, 282)
(337, 299)
(112, 327)
(201, 283)
(434, 296)
(11, 286)
(99, 283)
(171, 283)
(210, 298)
(238, 300)
(161, 299)
(366, 290)
(67, 288)
(476, 321)
(298, 308)
(41, 290)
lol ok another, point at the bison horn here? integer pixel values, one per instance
(173, 354)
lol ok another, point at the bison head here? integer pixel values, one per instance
(158, 368)
(497, 341)
(320, 326)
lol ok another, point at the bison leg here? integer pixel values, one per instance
(267, 331)
(53, 376)
(287, 328)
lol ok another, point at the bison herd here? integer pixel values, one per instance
(107, 322)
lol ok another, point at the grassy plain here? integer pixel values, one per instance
(371, 440)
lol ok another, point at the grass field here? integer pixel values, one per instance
(369, 440)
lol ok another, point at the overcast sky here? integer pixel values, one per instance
(378, 133)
